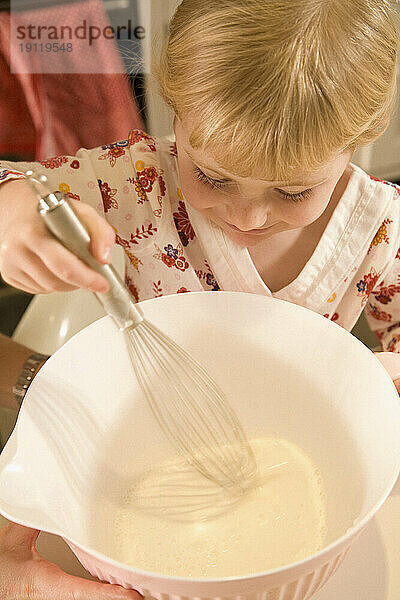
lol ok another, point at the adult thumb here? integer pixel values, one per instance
(31, 576)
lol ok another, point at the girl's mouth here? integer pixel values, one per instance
(249, 231)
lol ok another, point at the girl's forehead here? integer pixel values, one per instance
(299, 179)
(209, 163)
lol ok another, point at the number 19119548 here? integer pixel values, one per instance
(46, 47)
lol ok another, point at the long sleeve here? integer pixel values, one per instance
(122, 181)
(70, 174)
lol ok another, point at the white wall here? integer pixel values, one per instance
(157, 13)
(382, 158)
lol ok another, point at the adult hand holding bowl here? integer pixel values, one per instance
(24, 574)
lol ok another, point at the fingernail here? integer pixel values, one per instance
(107, 255)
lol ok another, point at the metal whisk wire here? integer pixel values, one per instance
(190, 408)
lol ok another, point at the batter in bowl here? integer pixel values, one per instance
(175, 522)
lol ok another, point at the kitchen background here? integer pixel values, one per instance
(41, 114)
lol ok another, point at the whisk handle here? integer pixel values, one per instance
(63, 222)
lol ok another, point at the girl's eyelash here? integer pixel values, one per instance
(213, 183)
(296, 197)
(218, 184)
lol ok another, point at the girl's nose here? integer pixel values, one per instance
(249, 217)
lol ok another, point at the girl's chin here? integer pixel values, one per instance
(245, 240)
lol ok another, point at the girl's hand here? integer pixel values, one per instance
(391, 362)
(24, 574)
(31, 259)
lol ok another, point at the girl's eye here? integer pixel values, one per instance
(220, 183)
(213, 183)
(296, 197)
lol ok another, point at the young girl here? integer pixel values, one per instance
(257, 193)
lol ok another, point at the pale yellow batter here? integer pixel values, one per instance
(175, 522)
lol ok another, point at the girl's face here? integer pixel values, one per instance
(251, 210)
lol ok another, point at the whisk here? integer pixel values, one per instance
(190, 408)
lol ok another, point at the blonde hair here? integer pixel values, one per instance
(276, 86)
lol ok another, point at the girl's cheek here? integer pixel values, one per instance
(302, 215)
(185, 183)
(294, 214)
(306, 212)
(196, 193)
(192, 196)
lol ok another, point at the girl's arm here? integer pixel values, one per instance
(121, 182)
(383, 310)
(391, 362)
(383, 307)
(30, 258)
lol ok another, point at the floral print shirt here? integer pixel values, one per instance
(170, 248)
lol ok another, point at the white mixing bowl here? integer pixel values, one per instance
(85, 429)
